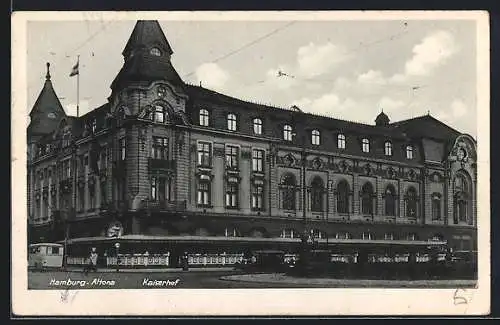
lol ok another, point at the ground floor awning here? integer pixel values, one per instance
(249, 240)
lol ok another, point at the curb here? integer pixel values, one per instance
(175, 270)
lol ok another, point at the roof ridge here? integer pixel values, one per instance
(288, 109)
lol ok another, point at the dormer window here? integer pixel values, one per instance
(159, 114)
(388, 148)
(409, 152)
(365, 145)
(341, 141)
(257, 126)
(204, 117)
(287, 133)
(315, 137)
(231, 122)
(94, 125)
(155, 51)
(161, 91)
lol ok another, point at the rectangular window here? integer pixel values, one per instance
(232, 153)
(204, 154)
(104, 161)
(123, 147)
(92, 197)
(160, 148)
(104, 195)
(366, 145)
(257, 160)
(436, 209)
(257, 196)
(81, 194)
(47, 207)
(203, 194)
(54, 251)
(67, 168)
(232, 196)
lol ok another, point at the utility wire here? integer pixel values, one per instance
(247, 45)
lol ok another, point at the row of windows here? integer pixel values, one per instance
(232, 195)
(319, 234)
(232, 154)
(232, 125)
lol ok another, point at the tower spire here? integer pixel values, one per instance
(47, 76)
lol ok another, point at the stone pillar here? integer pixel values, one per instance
(245, 173)
(183, 181)
(380, 192)
(218, 186)
(355, 196)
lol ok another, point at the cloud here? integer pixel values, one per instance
(433, 50)
(458, 108)
(372, 77)
(212, 75)
(328, 104)
(314, 60)
(389, 104)
(84, 108)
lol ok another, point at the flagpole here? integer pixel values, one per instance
(78, 87)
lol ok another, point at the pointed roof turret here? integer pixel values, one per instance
(147, 34)
(147, 57)
(382, 119)
(47, 110)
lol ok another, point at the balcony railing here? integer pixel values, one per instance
(165, 205)
(162, 164)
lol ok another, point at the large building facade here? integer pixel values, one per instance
(169, 163)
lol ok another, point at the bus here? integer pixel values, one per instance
(45, 255)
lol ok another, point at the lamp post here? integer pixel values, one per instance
(117, 247)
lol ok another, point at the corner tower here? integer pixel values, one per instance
(147, 73)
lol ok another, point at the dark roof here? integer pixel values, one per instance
(382, 119)
(144, 67)
(293, 116)
(147, 33)
(426, 126)
(47, 102)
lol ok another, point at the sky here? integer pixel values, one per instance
(350, 70)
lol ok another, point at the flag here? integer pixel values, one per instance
(75, 70)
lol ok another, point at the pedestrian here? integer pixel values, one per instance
(93, 259)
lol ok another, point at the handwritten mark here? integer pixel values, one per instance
(459, 297)
(65, 296)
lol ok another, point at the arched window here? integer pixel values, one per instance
(388, 148)
(341, 141)
(287, 132)
(412, 236)
(289, 233)
(257, 126)
(287, 185)
(159, 114)
(342, 235)
(315, 137)
(367, 236)
(365, 145)
(343, 197)
(409, 152)
(411, 203)
(390, 201)
(204, 117)
(317, 189)
(461, 196)
(231, 232)
(319, 234)
(367, 199)
(436, 206)
(231, 122)
(155, 51)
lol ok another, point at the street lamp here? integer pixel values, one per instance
(117, 246)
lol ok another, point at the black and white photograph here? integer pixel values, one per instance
(343, 153)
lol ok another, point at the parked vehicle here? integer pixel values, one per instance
(45, 255)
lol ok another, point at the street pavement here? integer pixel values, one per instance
(207, 279)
